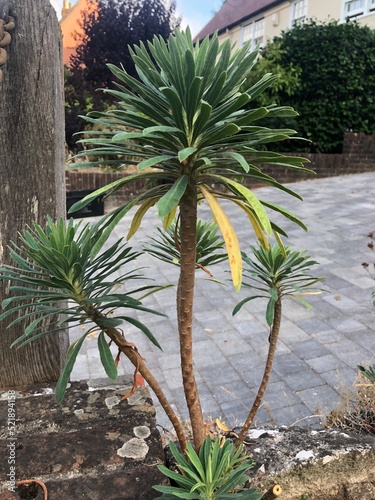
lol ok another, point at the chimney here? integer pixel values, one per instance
(66, 7)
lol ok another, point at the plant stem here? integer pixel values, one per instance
(185, 300)
(136, 359)
(267, 372)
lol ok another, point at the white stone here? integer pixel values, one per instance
(135, 398)
(112, 401)
(135, 448)
(304, 455)
(255, 433)
(142, 431)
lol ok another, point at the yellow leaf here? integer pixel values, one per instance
(222, 426)
(137, 219)
(229, 235)
(168, 219)
(261, 237)
(253, 202)
(279, 242)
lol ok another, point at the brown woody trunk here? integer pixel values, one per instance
(185, 299)
(267, 372)
(31, 166)
(136, 359)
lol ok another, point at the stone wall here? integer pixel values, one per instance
(358, 156)
(92, 446)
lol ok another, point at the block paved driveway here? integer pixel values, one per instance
(318, 349)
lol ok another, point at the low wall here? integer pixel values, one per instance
(92, 446)
(358, 156)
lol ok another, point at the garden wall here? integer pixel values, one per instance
(358, 156)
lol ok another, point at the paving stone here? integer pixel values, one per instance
(295, 311)
(345, 324)
(221, 373)
(286, 364)
(298, 414)
(321, 398)
(173, 378)
(234, 413)
(279, 394)
(253, 377)
(340, 379)
(349, 352)
(231, 347)
(365, 339)
(313, 325)
(231, 391)
(342, 302)
(325, 363)
(303, 380)
(309, 349)
(328, 337)
(289, 332)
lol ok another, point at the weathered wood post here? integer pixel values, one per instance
(31, 165)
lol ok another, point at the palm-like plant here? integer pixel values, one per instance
(277, 272)
(166, 246)
(215, 473)
(196, 141)
(369, 372)
(60, 273)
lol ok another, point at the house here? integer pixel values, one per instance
(261, 20)
(70, 24)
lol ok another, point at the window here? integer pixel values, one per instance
(299, 12)
(253, 32)
(355, 8)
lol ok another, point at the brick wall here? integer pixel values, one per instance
(358, 156)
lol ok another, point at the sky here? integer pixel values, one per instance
(195, 13)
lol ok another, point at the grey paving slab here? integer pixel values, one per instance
(318, 348)
(303, 380)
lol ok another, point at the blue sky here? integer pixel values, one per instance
(195, 13)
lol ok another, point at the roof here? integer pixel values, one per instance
(234, 12)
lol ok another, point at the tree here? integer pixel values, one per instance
(32, 169)
(108, 32)
(327, 75)
(186, 118)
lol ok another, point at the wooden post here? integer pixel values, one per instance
(32, 161)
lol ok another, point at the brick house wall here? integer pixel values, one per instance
(358, 156)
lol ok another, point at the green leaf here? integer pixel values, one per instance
(185, 153)
(143, 329)
(172, 197)
(244, 301)
(67, 370)
(106, 357)
(240, 159)
(161, 128)
(109, 322)
(151, 162)
(285, 213)
(31, 327)
(270, 311)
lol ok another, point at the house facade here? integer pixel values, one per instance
(70, 24)
(261, 20)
